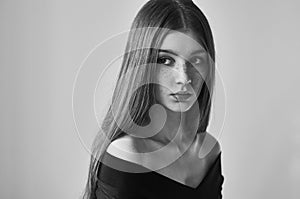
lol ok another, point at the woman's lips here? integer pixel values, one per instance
(181, 97)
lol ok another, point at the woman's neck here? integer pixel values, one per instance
(179, 128)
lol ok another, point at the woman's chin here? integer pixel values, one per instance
(180, 106)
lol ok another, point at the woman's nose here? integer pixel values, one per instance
(182, 75)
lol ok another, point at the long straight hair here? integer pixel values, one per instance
(145, 36)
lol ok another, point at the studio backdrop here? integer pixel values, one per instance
(45, 154)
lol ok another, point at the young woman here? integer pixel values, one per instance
(153, 141)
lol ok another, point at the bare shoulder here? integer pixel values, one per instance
(209, 146)
(124, 148)
(122, 143)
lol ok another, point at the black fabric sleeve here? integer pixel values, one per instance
(107, 191)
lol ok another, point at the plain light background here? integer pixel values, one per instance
(44, 42)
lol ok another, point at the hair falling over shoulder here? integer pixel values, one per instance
(130, 101)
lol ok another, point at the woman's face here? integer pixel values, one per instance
(181, 58)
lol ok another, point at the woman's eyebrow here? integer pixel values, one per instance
(199, 51)
(176, 54)
(168, 51)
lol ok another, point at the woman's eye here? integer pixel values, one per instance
(165, 60)
(196, 60)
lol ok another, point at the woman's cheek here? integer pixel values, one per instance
(165, 75)
(197, 82)
(160, 80)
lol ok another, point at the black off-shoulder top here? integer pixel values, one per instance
(121, 179)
